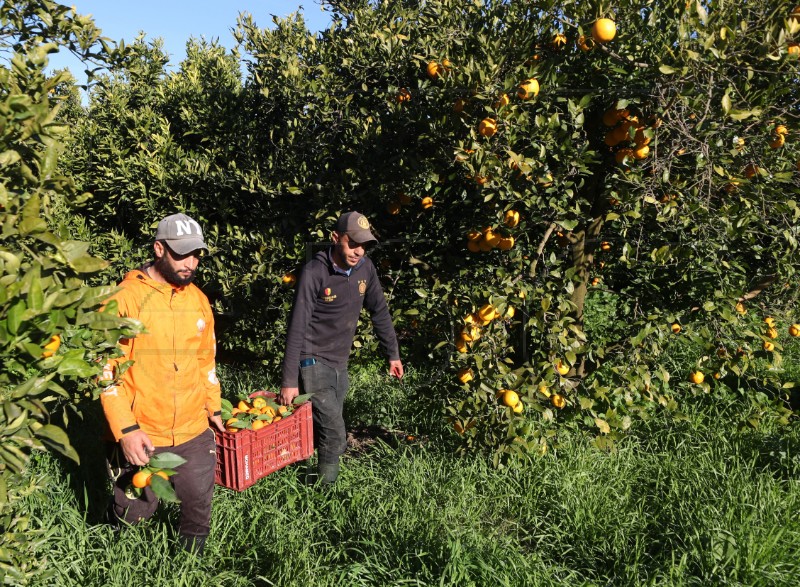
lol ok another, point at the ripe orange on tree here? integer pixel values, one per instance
(768, 346)
(52, 346)
(465, 375)
(511, 218)
(434, 69)
(509, 397)
(561, 368)
(751, 170)
(697, 377)
(528, 89)
(794, 330)
(506, 243)
(676, 328)
(777, 142)
(404, 95)
(604, 30)
(584, 43)
(487, 313)
(613, 115)
(427, 202)
(558, 401)
(487, 127)
(503, 100)
(471, 333)
(640, 138)
(623, 154)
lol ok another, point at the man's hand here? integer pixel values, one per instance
(396, 369)
(288, 394)
(136, 447)
(217, 422)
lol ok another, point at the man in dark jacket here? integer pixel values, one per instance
(331, 290)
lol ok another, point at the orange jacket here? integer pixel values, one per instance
(171, 388)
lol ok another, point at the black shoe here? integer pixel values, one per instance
(193, 544)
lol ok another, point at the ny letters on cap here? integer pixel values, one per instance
(181, 233)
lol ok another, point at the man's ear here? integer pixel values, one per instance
(335, 237)
(158, 249)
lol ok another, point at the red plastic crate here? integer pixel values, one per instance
(246, 456)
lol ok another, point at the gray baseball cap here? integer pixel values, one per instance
(181, 233)
(356, 226)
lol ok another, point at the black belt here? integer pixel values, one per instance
(307, 362)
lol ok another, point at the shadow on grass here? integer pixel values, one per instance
(89, 478)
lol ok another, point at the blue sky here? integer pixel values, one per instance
(175, 21)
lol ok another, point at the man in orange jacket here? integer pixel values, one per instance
(169, 393)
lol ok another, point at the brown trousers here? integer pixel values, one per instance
(193, 483)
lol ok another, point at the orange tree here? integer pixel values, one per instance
(572, 197)
(531, 166)
(53, 338)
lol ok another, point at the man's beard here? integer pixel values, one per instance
(170, 275)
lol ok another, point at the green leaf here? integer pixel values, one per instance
(166, 460)
(55, 438)
(35, 294)
(73, 365)
(666, 69)
(163, 489)
(744, 114)
(33, 386)
(726, 103)
(567, 224)
(15, 314)
(88, 264)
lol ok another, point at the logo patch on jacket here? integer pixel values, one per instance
(326, 295)
(362, 286)
(201, 325)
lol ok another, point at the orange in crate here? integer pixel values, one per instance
(246, 456)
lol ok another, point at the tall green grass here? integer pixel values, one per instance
(680, 502)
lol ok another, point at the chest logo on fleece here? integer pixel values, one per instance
(362, 286)
(326, 295)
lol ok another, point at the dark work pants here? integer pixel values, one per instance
(193, 483)
(329, 387)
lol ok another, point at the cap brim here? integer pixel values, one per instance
(185, 246)
(362, 237)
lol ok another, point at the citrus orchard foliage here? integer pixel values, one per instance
(52, 334)
(556, 186)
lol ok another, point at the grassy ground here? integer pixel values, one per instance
(692, 502)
